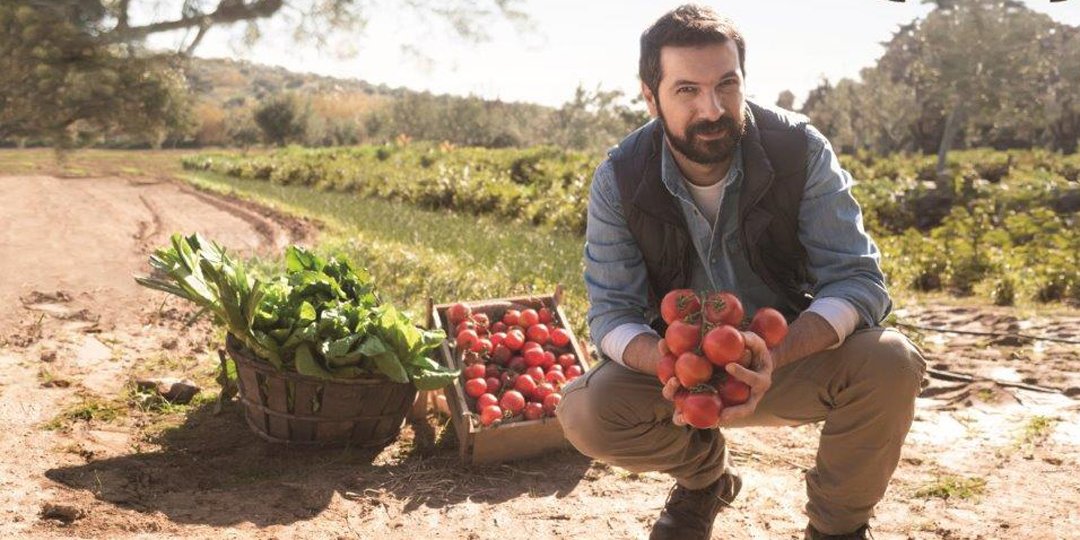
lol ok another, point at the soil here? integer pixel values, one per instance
(994, 451)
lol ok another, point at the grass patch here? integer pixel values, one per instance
(87, 410)
(953, 487)
(417, 254)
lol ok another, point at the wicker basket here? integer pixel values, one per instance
(297, 409)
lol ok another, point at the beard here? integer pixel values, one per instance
(707, 151)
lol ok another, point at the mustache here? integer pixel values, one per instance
(712, 126)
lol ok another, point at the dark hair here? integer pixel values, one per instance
(688, 25)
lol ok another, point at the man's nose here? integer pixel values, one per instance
(711, 108)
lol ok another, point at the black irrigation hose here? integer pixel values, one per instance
(989, 334)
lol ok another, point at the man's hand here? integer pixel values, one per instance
(758, 377)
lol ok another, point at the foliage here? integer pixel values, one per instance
(283, 118)
(985, 72)
(63, 87)
(1005, 229)
(319, 318)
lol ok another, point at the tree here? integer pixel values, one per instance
(77, 66)
(283, 119)
(61, 85)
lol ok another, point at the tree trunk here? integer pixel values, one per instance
(952, 126)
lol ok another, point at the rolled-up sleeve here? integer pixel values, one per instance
(615, 275)
(843, 258)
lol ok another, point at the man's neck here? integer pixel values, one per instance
(699, 174)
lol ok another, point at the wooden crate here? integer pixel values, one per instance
(512, 440)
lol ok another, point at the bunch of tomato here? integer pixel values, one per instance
(515, 366)
(702, 337)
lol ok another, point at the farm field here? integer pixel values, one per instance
(994, 451)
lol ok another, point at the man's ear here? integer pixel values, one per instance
(650, 99)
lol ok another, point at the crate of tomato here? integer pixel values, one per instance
(515, 356)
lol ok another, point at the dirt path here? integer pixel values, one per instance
(984, 459)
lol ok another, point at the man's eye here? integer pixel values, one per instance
(684, 90)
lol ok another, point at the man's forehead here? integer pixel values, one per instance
(710, 61)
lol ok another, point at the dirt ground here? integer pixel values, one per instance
(994, 451)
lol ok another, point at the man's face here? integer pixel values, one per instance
(700, 100)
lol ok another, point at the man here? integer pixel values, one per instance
(718, 193)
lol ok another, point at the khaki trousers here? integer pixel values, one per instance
(864, 390)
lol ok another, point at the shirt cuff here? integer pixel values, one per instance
(615, 342)
(839, 313)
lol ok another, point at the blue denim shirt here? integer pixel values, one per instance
(843, 260)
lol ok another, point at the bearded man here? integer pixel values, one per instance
(719, 193)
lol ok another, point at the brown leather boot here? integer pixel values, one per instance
(858, 534)
(689, 513)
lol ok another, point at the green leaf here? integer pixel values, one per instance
(307, 365)
(432, 379)
(390, 366)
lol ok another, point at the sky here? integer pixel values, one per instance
(791, 44)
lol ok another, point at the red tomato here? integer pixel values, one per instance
(678, 305)
(702, 409)
(733, 391)
(476, 387)
(534, 411)
(555, 367)
(511, 317)
(492, 371)
(514, 340)
(666, 368)
(490, 415)
(512, 401)
(723, 308)
(723, 345)
(524, 384)
(474, 371)
(493, 384)
(567, 360)
(481, 320)
(692, 370)
(529, 317)
(549, 360)
(770, 325)
(551, 402)
(534, 357)
(545, 315)
(457, 312)
(497, 338)
(498, 326)
(517, 363)
(573, 372)
(560, 337)
(682, 337)
(486, 399)
(465, 325)
(482, 345)
(466, 339)
(556, 378)
(536, 372)
(539, 333)
(542, 391)
(501, 354)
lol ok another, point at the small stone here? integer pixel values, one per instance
(169, 343)
(62, 512)
(48, 356)
(177, 391)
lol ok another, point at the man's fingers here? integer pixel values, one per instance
(670, 389)
(678, 419)
(754, 379)
(730, 414)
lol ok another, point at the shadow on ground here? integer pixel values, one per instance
(213, 470)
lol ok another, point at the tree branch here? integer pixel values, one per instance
(227, 12)
(198, 38)
(122, 14)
